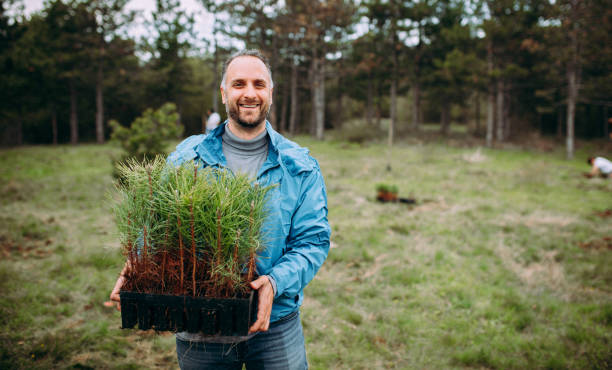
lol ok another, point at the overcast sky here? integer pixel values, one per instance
(203, 20)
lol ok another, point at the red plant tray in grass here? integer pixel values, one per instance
(386, 196)
(210, 316)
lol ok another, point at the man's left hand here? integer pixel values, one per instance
(265, 295)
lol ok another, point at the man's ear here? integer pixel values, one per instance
(222, 95)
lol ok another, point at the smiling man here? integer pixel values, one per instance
(296, 228)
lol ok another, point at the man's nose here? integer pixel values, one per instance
(250, 91)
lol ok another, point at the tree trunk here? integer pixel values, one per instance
(54, 124)
(560, 122)
(393, 111)
(320, 97)
(74, 119)
(477, 114)
(282, 125)
(100, 105)
(393, 92)
(606, 129)
(378, 108)
(19, 133)
(272, 61)
(573, 83)
(416, 105)
(272, 116)
(370, 100)
(490, 96)
(416, 89)
(313, 94)
(500, 110)
(445, 118)
(506, 117)
(339, 106)
(215, 89)
(179, 111)
(572, 94)
(294, 98)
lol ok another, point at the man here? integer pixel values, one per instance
(600, 166)
(213, 120)
(296, 228)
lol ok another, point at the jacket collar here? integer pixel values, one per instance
(210, 150)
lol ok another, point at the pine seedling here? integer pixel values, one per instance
(188, 230)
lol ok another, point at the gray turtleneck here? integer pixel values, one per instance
(245, 156)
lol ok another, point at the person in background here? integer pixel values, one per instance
(213, 120)
(600, 166)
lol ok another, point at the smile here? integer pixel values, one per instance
(249, 105)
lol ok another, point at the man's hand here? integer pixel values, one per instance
(114, 296)
(265, 294)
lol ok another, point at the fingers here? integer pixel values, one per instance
(265, 294)
(114, 296)
(259, 282)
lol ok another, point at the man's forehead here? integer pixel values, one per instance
(247, 67)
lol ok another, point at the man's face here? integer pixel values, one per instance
(247, 93)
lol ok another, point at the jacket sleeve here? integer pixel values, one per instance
(308, 241)
(185, 151)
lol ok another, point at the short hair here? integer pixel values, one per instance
(590, 160)
(246, 53)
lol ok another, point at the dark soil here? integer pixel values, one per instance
(604, 243)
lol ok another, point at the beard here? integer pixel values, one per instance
(233, 111)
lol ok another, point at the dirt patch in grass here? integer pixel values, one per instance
(16, 191)
(604, 243)
(25, 237)
(546, 272)
(28, 249)
(604, 214)
(538, 218)
(376, 266)
(474, 157)
(432, 205)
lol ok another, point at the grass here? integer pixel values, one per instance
(485, 271)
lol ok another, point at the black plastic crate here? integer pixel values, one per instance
(211, 316)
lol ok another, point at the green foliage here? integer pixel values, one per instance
(149, 134)
(387, 188)
(196, 215)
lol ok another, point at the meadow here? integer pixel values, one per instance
(505, 261)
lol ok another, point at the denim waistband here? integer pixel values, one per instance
(283, 319)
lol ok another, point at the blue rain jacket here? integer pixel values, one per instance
(296, 229)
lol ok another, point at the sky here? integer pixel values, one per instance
(203, 20)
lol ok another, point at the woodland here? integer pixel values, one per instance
(500, 69)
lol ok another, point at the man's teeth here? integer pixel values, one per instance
(249, 106)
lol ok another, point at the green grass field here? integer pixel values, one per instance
(502, 263)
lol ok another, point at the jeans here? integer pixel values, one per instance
(281, 347)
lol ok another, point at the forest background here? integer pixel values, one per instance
(501, 69)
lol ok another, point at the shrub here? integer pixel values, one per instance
(149, 134)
